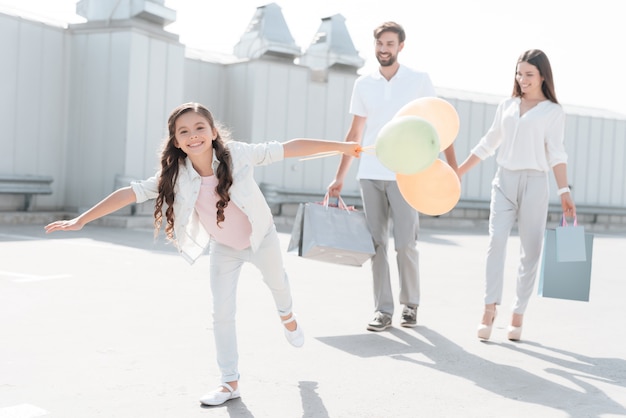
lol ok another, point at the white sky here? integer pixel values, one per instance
(469, 45)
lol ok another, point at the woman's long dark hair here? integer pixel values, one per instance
(540, 60)
(171, 159)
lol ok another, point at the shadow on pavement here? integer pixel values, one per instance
(504, 380)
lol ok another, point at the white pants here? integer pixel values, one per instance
(226, 264)
(383, 201)
(521, 196)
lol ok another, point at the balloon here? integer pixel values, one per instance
(433, 191)
(407, 144)
(441, 114)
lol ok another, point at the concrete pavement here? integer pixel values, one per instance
(106, 322)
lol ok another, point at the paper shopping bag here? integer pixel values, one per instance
(564, 279)
(570, 242)
(332, 234)
(295, 242)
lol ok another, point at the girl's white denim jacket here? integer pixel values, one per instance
(191, 237)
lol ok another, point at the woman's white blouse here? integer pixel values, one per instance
(533, 141)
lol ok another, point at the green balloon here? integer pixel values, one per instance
(407, 144)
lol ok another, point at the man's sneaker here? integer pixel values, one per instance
(409, 316)
(381, 322)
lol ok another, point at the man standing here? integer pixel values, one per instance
(376, 98)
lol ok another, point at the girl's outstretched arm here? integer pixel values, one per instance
(115, 201)
(301, 147)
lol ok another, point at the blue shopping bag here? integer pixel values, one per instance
(570, 242)
(564, 279)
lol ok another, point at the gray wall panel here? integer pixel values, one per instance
(29, 63)
(578, 152)
(205, 83)
(618, 176)
(9, 30)
(139, 164)
(294, 171)
(88, 103)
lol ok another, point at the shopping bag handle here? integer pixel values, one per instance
(564, 220)
(340, 203)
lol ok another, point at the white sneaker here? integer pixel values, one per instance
(295, 337)
(217, 397)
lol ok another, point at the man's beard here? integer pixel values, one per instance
(387, 62)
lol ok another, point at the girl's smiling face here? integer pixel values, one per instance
(193, 133)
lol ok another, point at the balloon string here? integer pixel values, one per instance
(370, 149)
(320, 155)
(367, 150)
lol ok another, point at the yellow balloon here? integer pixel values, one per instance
(441, 114)
(433, 191)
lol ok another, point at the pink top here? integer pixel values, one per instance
(236, 229)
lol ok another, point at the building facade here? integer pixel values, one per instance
(87, 105)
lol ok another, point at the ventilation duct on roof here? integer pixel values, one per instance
(107, 10)
(332, 47)
(267, 34)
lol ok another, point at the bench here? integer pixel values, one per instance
(277, 196)
(27, 185)
(585, 213)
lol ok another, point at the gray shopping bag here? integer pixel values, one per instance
(570, 242)
(564, 279)
(295, 242)
(332, 234)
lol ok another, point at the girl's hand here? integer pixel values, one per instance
(69, 225)
(353, 149)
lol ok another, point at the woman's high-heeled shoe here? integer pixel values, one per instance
(515, 333)
(484, 330)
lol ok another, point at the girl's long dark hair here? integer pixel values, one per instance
(171, 159)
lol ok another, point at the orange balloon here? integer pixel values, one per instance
(433, 191)
(441, 114)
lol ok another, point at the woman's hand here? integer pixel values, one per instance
(568, 206)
